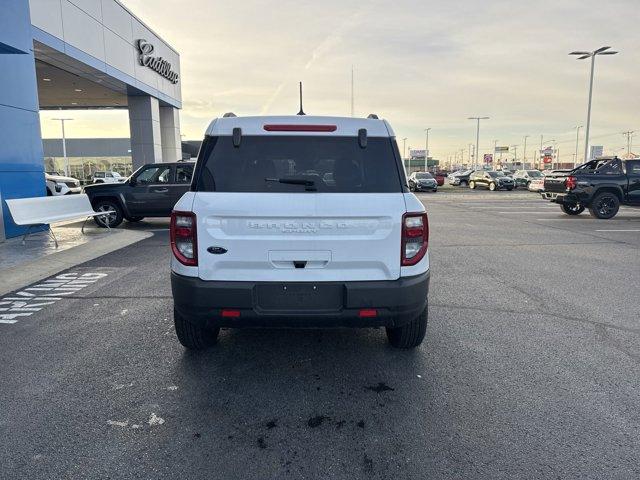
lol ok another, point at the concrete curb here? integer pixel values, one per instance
(23, 275)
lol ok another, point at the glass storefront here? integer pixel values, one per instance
(83, 168)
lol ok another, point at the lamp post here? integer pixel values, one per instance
(575, 161)
(524, 154)
(426, 148)
(592, 56)
(64, 144)
(477, 119)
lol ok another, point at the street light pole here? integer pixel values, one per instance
(477, 119)
(592, 56)
(575, 161)
(524, 154)
(426, 148)
(64, 144)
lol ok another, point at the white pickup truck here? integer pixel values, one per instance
(299, 221)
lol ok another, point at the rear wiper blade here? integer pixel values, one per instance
(309, 184)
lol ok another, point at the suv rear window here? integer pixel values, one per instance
(333, 164)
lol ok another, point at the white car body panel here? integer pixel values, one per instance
(341, 236)
(345, 127)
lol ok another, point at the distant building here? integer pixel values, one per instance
(89, 155)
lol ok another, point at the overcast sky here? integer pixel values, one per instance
(417, 63)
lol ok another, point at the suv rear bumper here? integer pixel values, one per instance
(396, 302)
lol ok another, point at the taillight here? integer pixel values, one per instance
(571, 182)
(415, 238)
(183, 238)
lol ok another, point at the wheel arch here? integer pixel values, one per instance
(616, 190)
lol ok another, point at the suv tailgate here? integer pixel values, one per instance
(299, 237)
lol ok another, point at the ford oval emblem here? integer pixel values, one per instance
(217, 250)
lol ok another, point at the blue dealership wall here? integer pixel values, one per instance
(21, 156)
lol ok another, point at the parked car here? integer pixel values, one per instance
(523, 178)
(460, 178)
(266, 241)
(536, 185)
(422, 181)
(60, 185)
(601, 185)
(440, 178)
(151, 191)
(490, 179)
(108, 177)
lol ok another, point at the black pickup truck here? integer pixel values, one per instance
(601, 185)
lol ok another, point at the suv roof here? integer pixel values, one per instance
(344, 126)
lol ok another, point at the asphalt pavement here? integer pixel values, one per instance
(530, 368)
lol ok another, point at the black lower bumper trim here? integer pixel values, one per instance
(330, 304)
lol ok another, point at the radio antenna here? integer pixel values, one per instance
(301, 112)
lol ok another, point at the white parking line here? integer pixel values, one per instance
(30, 300)
(629, 230)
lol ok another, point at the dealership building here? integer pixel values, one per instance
(80, 54)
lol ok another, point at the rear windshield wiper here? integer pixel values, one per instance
(309, 185)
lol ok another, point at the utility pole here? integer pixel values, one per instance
(470, 153)
(426, 148)
(515, 153)
(404, 148)
(477, 119)
(592, 56)
(524, 154)
(64, 145)
(628, 134)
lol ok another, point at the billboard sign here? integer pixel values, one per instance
(546, 152)
(502, 149)
(488, 158)
(418, 154)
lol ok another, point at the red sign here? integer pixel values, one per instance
(547, 159)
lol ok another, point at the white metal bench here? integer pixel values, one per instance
(40, 211)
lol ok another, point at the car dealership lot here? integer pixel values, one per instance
(529, 370)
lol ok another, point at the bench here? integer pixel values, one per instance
(41, 211)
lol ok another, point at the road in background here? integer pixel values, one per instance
(530, 368)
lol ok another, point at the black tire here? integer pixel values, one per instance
(133, 219)
(191, 336)
(605, 205)
(49, 194)
(572, 208)
(464, 183)
(435, 190)
(112, 220)
(509, 188)
(411, 334)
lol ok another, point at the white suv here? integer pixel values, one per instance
(108, 177)
(299, 221)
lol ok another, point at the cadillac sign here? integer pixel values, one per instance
(158, 64)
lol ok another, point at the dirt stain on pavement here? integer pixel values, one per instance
(314, 422)
(381, 387)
